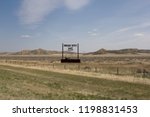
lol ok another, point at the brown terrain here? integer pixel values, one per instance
(103, 70)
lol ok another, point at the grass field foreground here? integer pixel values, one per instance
(24, 83)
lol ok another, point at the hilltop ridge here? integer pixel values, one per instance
(98, 52)
(121, 51)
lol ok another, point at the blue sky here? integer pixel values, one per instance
(95, 24)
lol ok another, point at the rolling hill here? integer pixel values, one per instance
(35, 52)
(121, 51)
(98, 52)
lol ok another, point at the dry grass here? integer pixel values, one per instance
(44, 77)
(101, 75)
(25, 83)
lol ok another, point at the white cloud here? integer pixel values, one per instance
(76, 4)
(139, 35)
(25, 36)
(144, 25)
(124, 29)
(94, 32)
(34, 11)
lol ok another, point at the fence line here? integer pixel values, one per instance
(105, 69)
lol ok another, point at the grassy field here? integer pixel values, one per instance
(25, 83)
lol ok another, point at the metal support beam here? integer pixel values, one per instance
(62, 51)
(78, 50)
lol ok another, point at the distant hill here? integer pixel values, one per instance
(121, 51)
(98, 52)
(5, 53)
(36, 52)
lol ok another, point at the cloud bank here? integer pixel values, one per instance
(35, 11)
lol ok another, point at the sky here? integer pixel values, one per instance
(94, 24)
